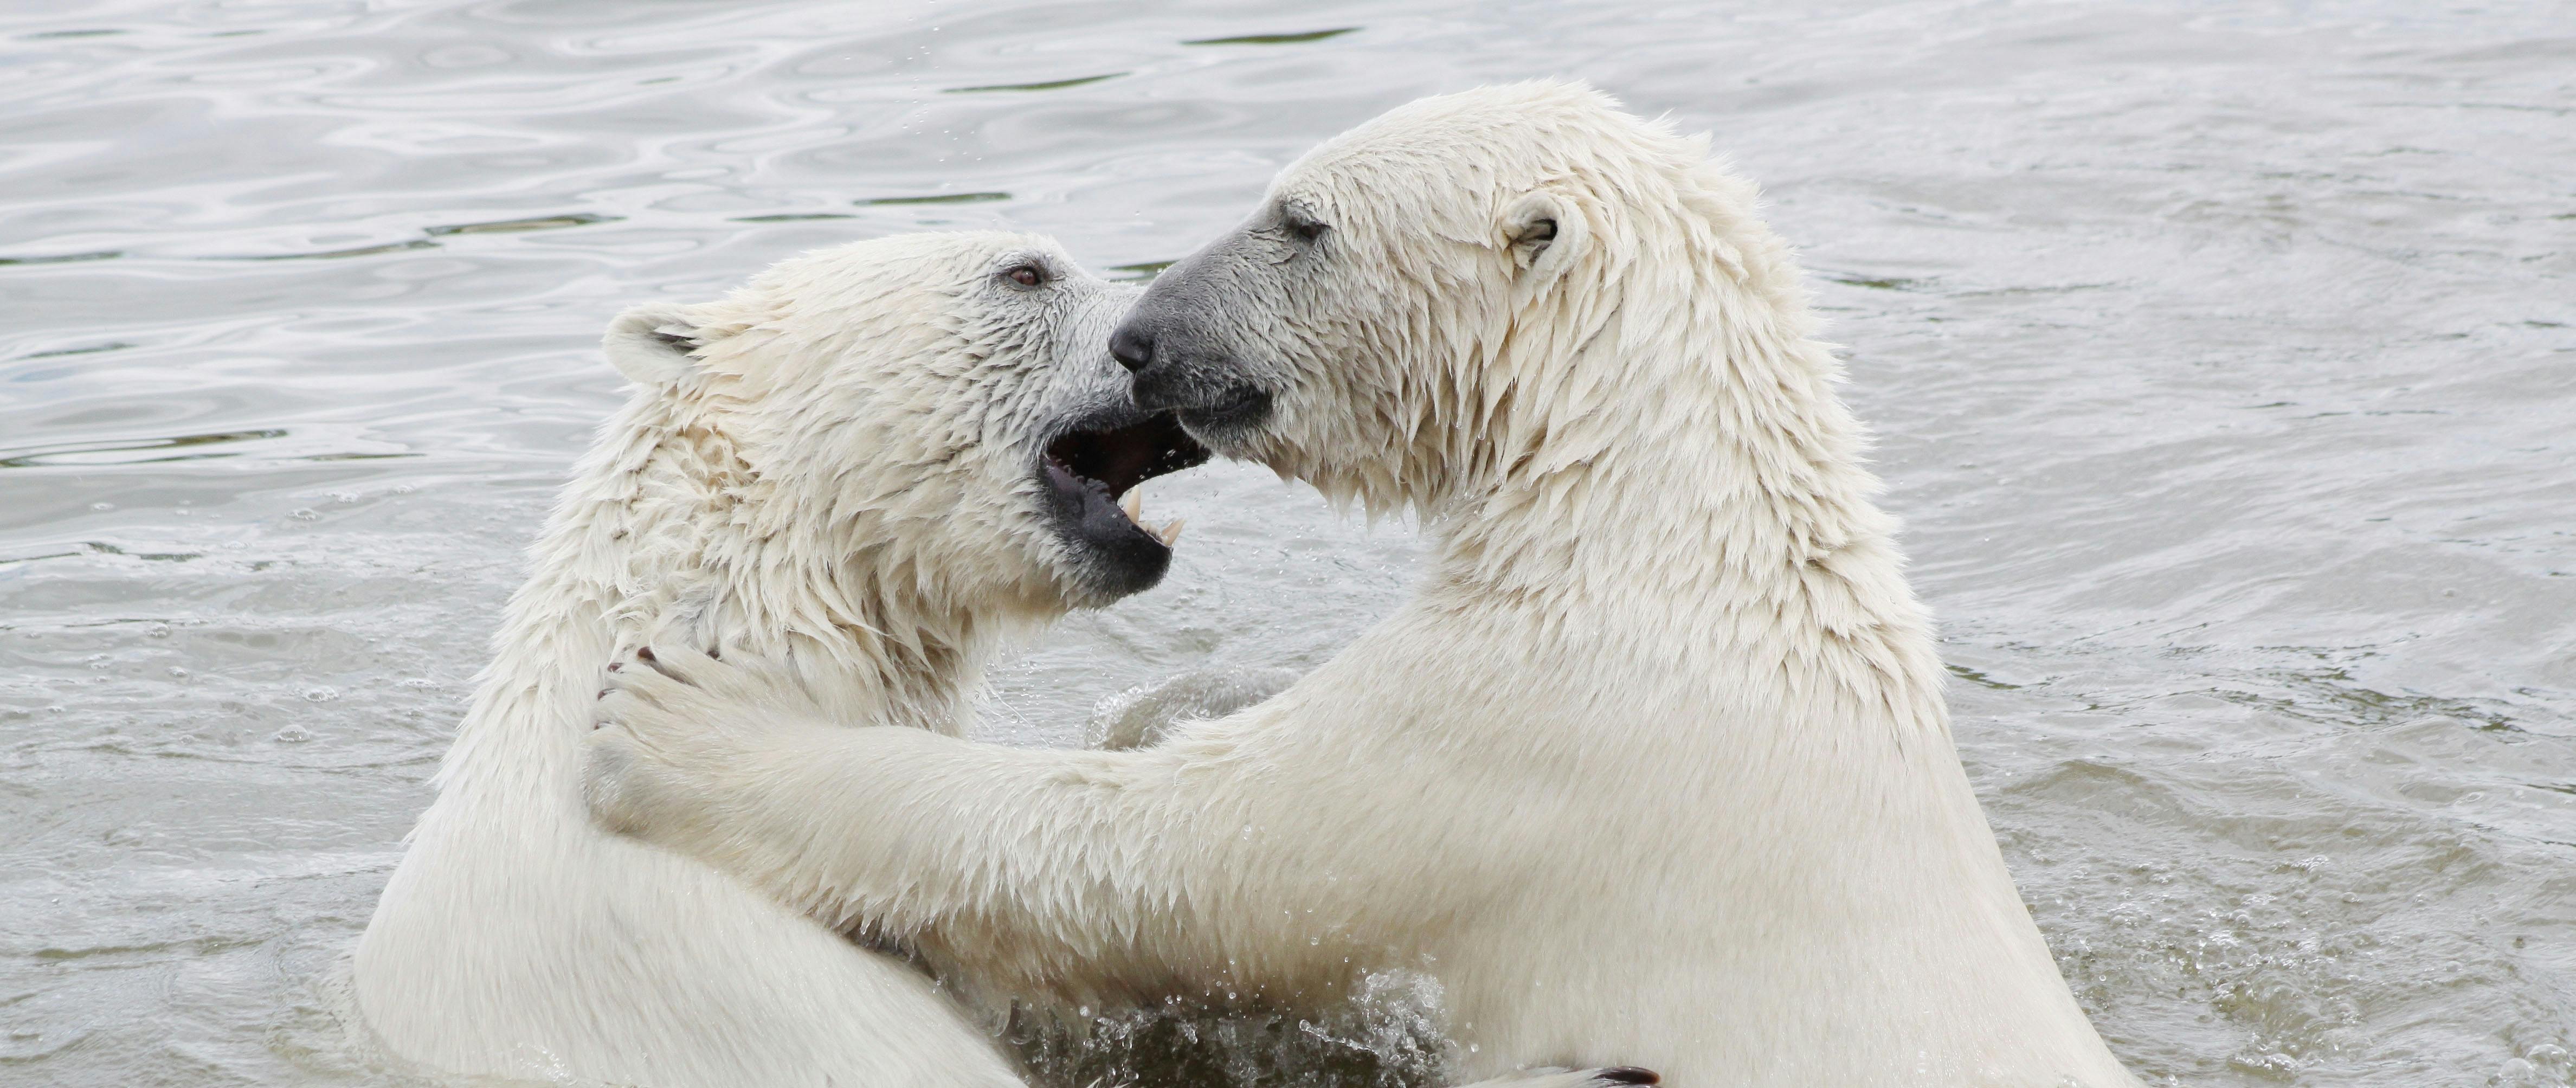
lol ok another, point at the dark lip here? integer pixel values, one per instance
(1239, 409)
(1101, 456)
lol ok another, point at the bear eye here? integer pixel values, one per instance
(1301, 224)
(1026, 275)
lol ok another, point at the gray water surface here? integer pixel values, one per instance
(2223, 359)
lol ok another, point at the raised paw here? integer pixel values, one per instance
(672, 726)
(667, 695)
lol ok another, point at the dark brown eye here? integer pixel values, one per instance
(1026, 275)
(1301, 225)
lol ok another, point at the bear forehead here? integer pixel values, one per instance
(916, 259)
(1473, 142)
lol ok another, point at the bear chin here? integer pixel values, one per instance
(1234, 421)
(1082, 474)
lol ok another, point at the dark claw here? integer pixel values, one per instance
(644, 653)
(1628, 1074)
(715, 653)
(614, 666)
(603, 693)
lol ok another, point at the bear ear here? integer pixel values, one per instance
(1546, 233)
(652, 344)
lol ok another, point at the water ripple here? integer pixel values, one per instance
(2218, 357)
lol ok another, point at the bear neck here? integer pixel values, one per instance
(701, 564)
(1648, 471)
(648, 544)
(1660, 531)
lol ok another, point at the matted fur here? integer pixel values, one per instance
(834, 463)
(831, 467)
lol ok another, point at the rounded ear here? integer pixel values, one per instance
(651, 344)
(1546, 233)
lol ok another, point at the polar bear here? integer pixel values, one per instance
(881, 458)
(1655, 763)
(877, 460)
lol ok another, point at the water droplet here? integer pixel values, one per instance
(293, 734)
(321, 694)
(102, 506)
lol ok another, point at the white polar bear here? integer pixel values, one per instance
(847, 460)
(879, 459)
(1656, 763)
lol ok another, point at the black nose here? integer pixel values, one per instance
(1132, 345)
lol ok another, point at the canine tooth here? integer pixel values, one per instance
(1134, 504)
(1170, 533)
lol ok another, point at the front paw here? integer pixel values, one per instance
(678, 735)
(666, 727)
(621, 783)
(635, 786)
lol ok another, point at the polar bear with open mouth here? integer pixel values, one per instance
(881, 460)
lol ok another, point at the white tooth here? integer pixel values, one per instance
(1134, 504)
(1170, 534)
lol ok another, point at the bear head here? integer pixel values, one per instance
(1382, 324)
(934, 417)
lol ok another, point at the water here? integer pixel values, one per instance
(2223, 359)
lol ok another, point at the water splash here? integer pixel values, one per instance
(1389, 1034)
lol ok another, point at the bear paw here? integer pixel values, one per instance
(671, 727)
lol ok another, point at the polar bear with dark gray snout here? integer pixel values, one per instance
(873, 463)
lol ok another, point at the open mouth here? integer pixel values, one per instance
(1094, 468)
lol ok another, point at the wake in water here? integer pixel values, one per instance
(1387, 1036)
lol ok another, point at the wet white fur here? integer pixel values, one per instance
(833, 467)
(1655, 766)
(842, 472)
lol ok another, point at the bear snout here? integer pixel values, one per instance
(1132, 344)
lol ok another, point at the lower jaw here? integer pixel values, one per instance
(1104, 576)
